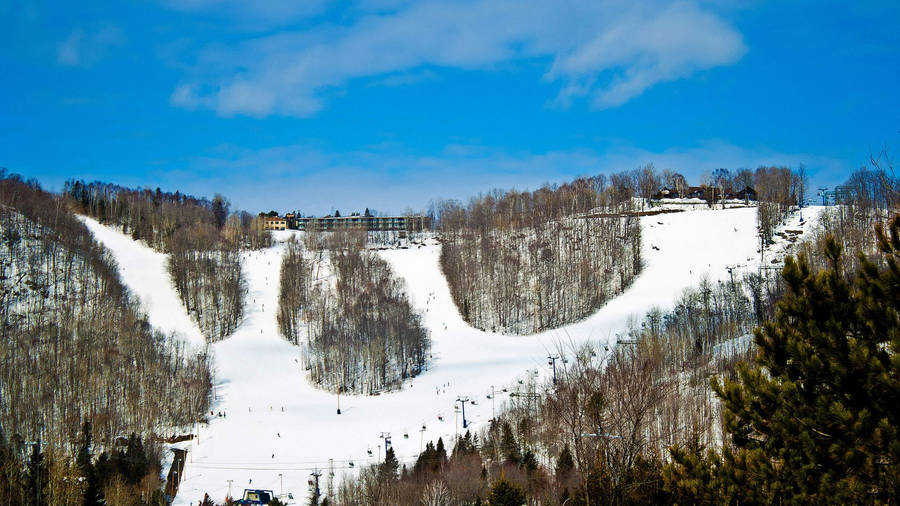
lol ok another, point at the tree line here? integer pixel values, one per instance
(203, 240)
(519, 262)
(76, 346)
(362, 334)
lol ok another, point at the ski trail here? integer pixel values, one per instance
(145, 273)
(257, 445)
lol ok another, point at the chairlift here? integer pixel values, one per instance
(423, 426)
(369, 451)
(405, 435)
(350, 464)
(441, 417)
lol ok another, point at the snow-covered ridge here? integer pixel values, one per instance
(277, 428)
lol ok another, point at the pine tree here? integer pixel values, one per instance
(135, 464)
(564, 464)
(387, 472)
(440, 454)
(508, 445)
(85, 463)
(84, 457)
(816, 418)
(465, 446)
(37, 478)
(504, 493)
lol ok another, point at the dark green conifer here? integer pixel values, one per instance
(505, 493)
(387, 472)
(815, 419)
(564, 464)
(508, 445)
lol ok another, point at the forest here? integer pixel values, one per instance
(520, 263)
(203, 240)
(524, 262)
(79, 359)
(350, 314)
(776, 386)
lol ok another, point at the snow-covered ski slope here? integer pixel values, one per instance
(144, 272)
(278, 429)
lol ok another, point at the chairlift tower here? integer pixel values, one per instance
(551, 361)
(463, 401)
(314, 484)
(387, 444)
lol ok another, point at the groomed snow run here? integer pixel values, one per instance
(278, 428)
(146, 275)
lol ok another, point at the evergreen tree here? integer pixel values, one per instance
(508, 445)
(135, 464)
(84, 457)
(529, 461)
(85, 462)
(465, 445)
(564, 464)
(440, 454)
(426, 461)
(387, 472)
(815, 419)
(220, 210)
(505, 493)
(37, 478)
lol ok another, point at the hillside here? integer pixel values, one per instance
(258, 373)
(200, 237)
(355, 324)
(525, 262)
(77, 346)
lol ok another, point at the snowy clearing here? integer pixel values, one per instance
(279, 428)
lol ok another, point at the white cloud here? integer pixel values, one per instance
(85, 47)
(606, 51)
(647, 47)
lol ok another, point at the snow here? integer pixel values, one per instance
(145, 273)
(278, 427)
(733, 346)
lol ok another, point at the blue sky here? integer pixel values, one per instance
(389, 104)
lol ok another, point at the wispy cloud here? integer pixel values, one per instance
(84, 47)
(406, 78)
(258, 13)
(607, 52)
